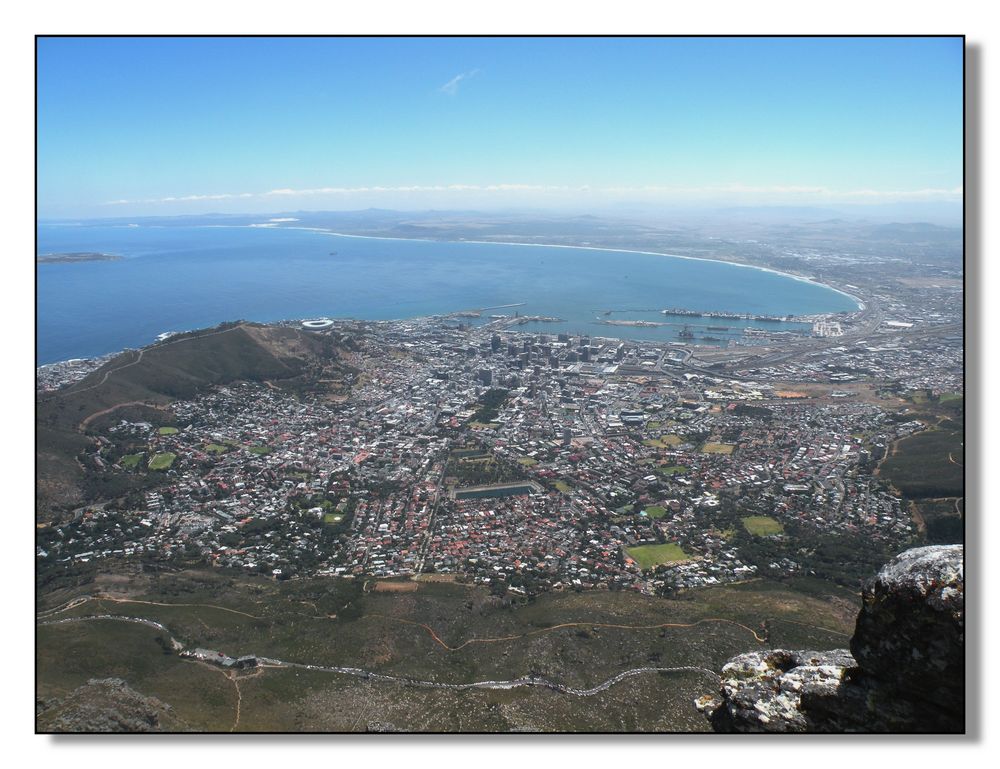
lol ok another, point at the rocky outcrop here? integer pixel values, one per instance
(904, 672)
(106, 705)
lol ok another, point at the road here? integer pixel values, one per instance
(270, 662)
(138, 359)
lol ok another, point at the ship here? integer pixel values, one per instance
(717, 328)
(685, 333)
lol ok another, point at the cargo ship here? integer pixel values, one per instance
(728, 315)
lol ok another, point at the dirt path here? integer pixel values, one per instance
(138, 359)
(501, 639)
(103, 379)
(239, 699)
(87, 420)
(917, 517)
(814, 627)
(83, 599)
(437, 639)
(203, 605)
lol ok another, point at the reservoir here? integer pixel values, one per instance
(175, 278)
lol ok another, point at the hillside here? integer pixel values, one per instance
(342, 655)
(927, 468)
(144, 382)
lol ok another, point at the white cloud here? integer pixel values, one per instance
(451, 87)
(183, 198)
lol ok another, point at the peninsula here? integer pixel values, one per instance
(77, 256)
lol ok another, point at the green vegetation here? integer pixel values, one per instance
(843, 557)
(482, 470)
(664, 441)
(177, 369)
(718, 448)
(564, 487)
(168, 431)
(333, 622)
(672, 469)
(762, 526)
(655, 511)
(162, 461)
(942, 520)
(527, 461)
(131, 460)
(489, 406)
(648, 556)
(216, 448)
(332, 518)
(757, 412)
(927, 464)
(261, 450)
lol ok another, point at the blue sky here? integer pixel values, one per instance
(168, 126)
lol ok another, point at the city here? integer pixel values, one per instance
(593, 462)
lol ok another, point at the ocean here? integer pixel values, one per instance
(183, 278)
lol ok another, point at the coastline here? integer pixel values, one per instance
(330, 232)
(280, 225)
(801, 278)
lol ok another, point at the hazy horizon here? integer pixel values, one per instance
(189, 126)
(944, 213)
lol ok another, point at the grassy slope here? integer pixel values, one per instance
(176, 369)
(292, 624)
(927, 468)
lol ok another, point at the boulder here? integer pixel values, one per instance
(904, 672)
(911, 629)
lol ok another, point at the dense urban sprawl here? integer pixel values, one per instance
(523, 461)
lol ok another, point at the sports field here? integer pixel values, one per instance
(162, 461)
(762, 526)
(648, 556)
(662, 442)
(131, 460)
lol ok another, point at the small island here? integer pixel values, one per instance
(77, 256)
